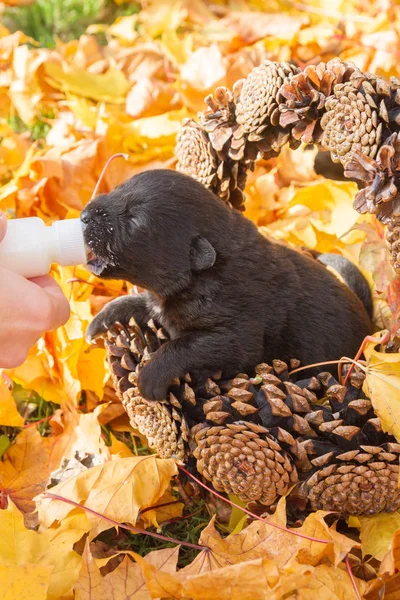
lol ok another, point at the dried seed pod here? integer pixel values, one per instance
(363, 482)
(304, 97)
(213, 168)
(393, 242)
(163, 425)
(242, 458)
(351, 123)
(380, 178)
(196, 156)
(257, 111)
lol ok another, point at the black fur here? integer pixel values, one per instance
(228, 297)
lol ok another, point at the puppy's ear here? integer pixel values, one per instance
(202, 254)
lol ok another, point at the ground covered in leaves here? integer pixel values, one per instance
(78, 486)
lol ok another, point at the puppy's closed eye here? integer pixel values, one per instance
(202, 254)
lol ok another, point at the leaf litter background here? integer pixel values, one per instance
(64, 111)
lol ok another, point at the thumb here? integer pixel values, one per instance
(3, 225)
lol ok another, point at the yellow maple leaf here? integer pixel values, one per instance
(119, 448)
(376, 533)
(382, 386)
(51, 550)
(24, 582)
(110, 86)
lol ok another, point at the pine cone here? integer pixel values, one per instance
(162, 423)
(381, 178)
(257, 111)
(242, 458)
(393, 241)
(211, 166)
(359, 482)
(351, 123)
(196, 156)
(304, 97)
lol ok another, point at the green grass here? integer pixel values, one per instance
(38, 130)
(188, 529)
(45, 20)
(33, 409)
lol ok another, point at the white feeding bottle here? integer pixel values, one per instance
(30, 247)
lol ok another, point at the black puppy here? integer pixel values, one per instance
(228, 297)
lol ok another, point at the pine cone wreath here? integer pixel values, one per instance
(256, 436)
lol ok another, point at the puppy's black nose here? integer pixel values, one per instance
(85, 216)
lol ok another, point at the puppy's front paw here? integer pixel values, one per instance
(120, 310)
(153, 381)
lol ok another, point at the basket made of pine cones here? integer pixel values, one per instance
(353, 115)
(258, 435)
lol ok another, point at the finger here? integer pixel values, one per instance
(60, 305)
(3, 225)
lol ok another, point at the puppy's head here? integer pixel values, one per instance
(157, 230)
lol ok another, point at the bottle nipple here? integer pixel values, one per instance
(70, 243)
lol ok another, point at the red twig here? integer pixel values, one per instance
(353, 581)
(280, 527)
(368, 338)
(123, 525)
(33, 423)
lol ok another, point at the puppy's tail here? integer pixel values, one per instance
(351, 276)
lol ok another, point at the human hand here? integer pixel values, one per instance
(28, 308)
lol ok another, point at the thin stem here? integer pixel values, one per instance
(100, 179)
(353, 581)
(369, 338)
(319, 364)
(123, 525)
(35, 423)
(157, 506)
(280, 527)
